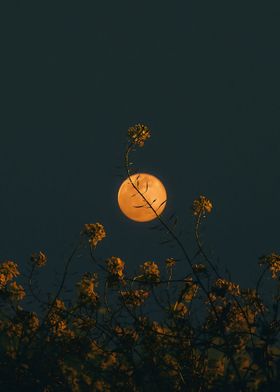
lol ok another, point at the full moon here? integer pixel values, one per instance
(133, 205)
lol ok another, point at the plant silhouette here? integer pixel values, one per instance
(209, 334)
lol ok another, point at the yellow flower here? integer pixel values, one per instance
(16, 291)
(138, 134)
(134, 297)
(222, 286)
(94, 351)
(59, 304)
(151, 271)
(161, 331)
(3, 281)
(172, 365)
(128, 334)
(58, 326)
(71, 375)
(95, 232)
(109, 361)
(241, 319)
(170, 262)
(101, 386)
(115, 267)
(201, 206)
(15, 329)
(179, 309)
(86, 323)
(8, 271)
(190, 290)
(33, 322)
(273, 263)
(87, 288)
(216, 367)
(39, 259)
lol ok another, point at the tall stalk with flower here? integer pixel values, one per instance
(148, 330)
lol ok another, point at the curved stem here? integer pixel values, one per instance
(181, 246)
(199, 244)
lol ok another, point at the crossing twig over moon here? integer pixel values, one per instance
(142, 207)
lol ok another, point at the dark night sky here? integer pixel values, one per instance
(204, 76)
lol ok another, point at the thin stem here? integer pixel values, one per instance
(181, 246)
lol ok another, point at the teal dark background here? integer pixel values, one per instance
(203, 75)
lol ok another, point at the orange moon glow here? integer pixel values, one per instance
(133, 205)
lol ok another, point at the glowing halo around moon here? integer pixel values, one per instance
(133, 205)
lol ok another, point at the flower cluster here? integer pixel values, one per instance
(115, 267)
(134, 297)
(84, 323)
(170, 262)
(179, 310)
(138, 134)
(14, 329)
(127, 334)
(253, 300)
(106, 359)
(112, 341)
(172, 367)
(86, 288)
(160, 329)
(273, 263)
(71, 376)
(95, 233)
(240, 318)
(221, 287)
(16, 291)
(201, 206)
(57, 323)
(59, 305)
(8, 271)
(190, 290)
(150, 271)
(33, 322)
(216, 367)
(38, 259)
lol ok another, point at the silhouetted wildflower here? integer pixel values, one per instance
(39, 259)
(201, 206)
(138, 134)
(95, 232)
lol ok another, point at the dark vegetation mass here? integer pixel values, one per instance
(209, 334)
